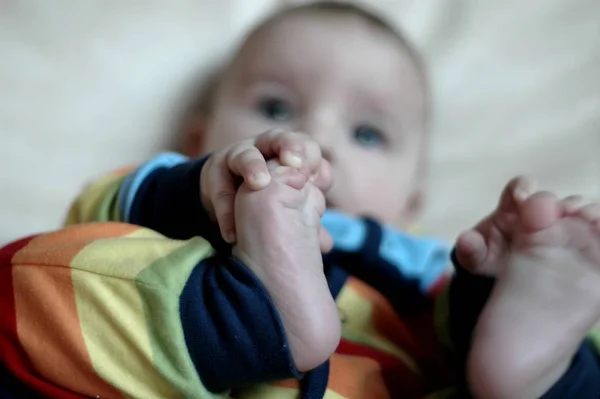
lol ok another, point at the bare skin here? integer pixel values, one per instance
(545, 254)
(280, 239)
(247, 160)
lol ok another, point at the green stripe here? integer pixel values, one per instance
(108, 208)
(594, 337)
(442, 320)
(160, 286)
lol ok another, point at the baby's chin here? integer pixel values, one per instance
(401, 223)
(331, 204)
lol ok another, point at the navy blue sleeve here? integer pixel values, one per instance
(168, 201)
(582, 380)
(13, 388)
(232, 330)
(468, 294)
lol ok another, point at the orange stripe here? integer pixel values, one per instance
(357, 377)
(59, 247)
(351, 377)
(124, 170)
(415, 335)
(384, 318)
(47, 322)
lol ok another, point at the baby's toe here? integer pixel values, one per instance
(471, 251)
(540, 211)
(517, 190)
(571, 204)
(288, 176)
(590, 213)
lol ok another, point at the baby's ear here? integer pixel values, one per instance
(193, 140)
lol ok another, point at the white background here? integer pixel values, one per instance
(88, 86)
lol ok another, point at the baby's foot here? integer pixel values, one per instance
(546, 299)
(279, 237)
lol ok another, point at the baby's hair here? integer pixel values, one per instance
(211, 86)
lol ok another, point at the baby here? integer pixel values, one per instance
(162, 306)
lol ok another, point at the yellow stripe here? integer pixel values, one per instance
(329, 394)
(265, 391)
(358, 326)
(112, 314)
(97, 203)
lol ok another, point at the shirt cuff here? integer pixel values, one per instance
(581, 380)
(232, 329)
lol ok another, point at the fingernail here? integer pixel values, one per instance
(291, 160)
(261, 178)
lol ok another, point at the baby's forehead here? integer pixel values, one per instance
(312, 46)
(310, 37)
(286, 26)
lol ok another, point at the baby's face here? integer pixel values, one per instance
(349, 85)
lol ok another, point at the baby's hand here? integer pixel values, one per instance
(246, 162)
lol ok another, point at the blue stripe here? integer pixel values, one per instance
(417, 258)
(132, 183)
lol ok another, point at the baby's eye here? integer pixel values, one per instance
(276, 109)
(368, 136)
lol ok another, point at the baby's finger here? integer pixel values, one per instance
(222, 198)
(293, 149)
(246, 161)
(312, 155)
(324, 177)
(269, 144)
(325, 241)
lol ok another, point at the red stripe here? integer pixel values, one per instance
(439, 286)
(12, 355)
(400, 380)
